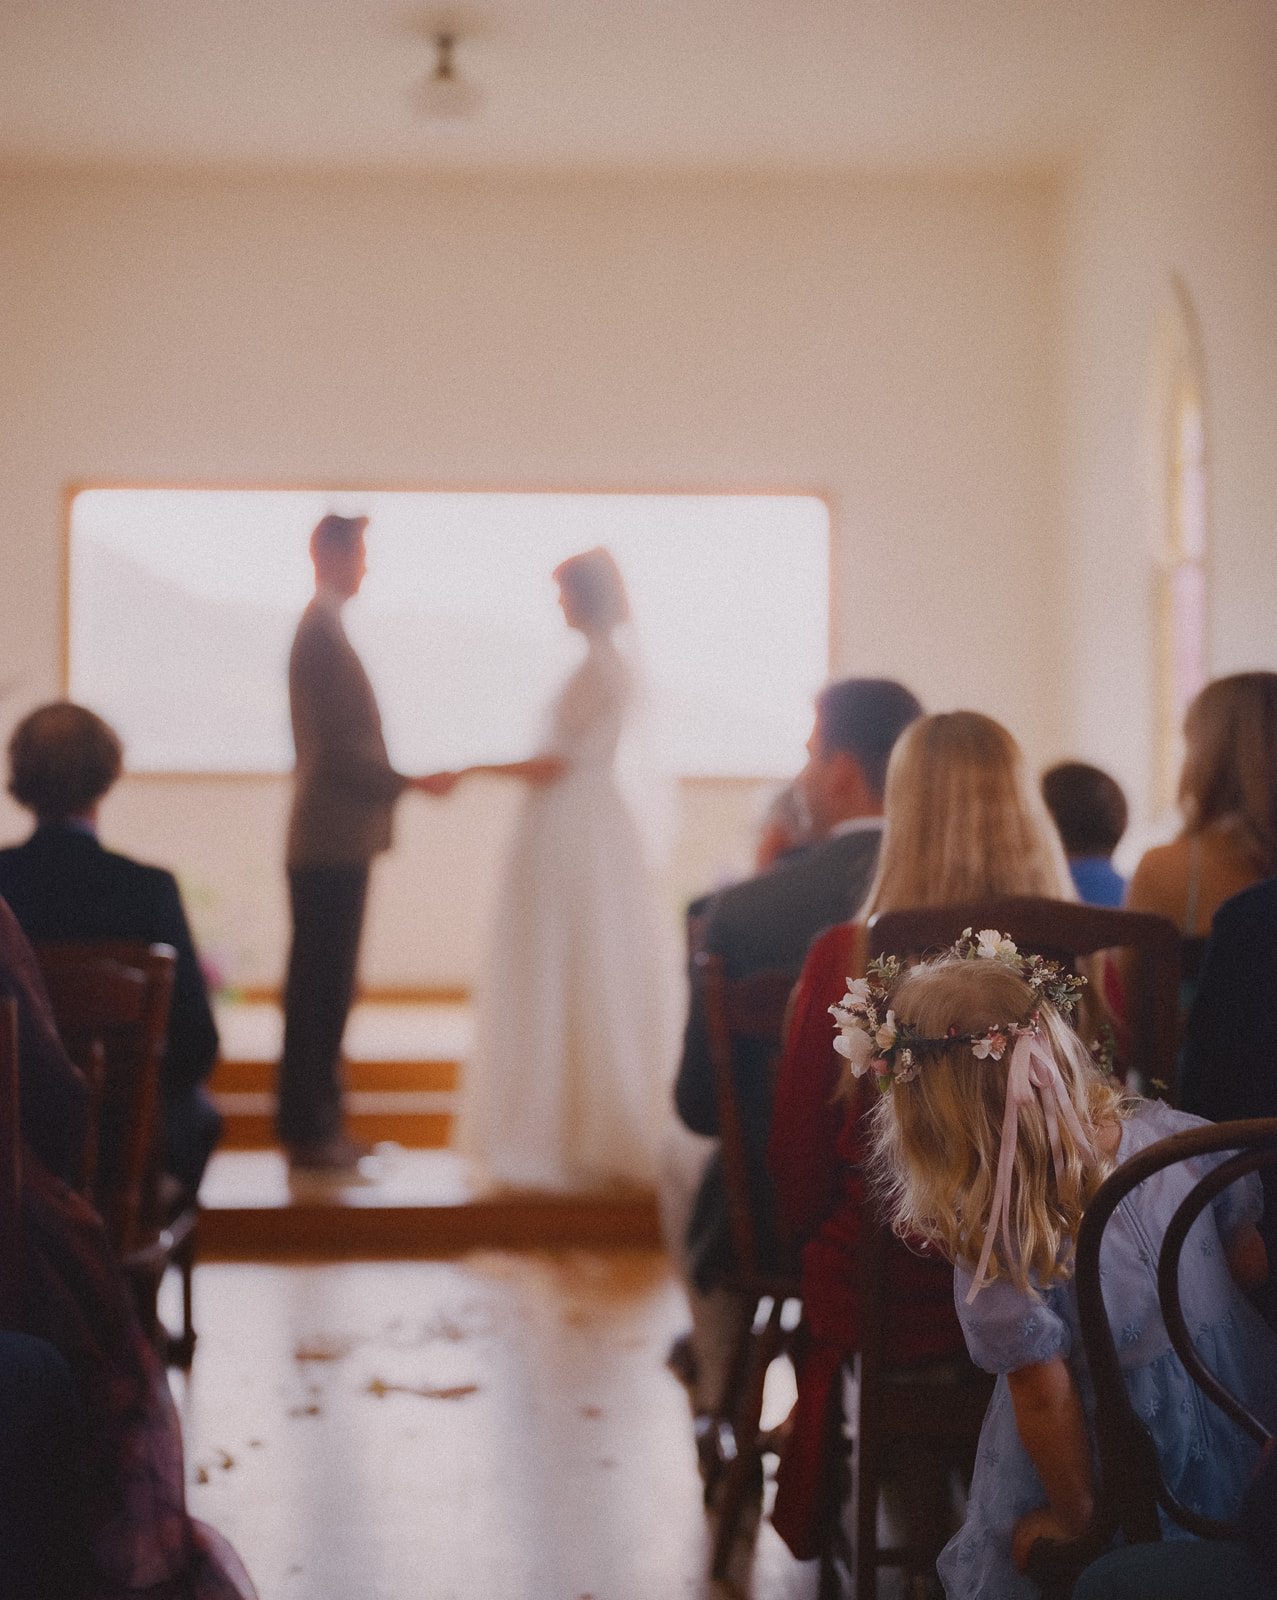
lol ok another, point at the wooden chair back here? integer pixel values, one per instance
(1131, 1485)
(1063, 930)
(745, 1009)
(111, 1002)
(11, 1247)
(930, 1416)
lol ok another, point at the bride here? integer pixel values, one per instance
(568, 1085)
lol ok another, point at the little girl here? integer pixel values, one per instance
(996, 1129)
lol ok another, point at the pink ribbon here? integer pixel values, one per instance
(1032, 1068)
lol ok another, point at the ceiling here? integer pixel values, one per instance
(571, 84)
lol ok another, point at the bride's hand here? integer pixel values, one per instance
(541, 771)
(439, 784)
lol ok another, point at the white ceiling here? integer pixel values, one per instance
(786, 84)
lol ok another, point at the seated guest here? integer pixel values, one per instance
(1228, 799)
(1089, 809)
(140, 1539)
(1229, 1063)
(963, 823)
(768, 922)
(62, 885)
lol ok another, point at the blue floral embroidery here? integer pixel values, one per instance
(1130, 1333)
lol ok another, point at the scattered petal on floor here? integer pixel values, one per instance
(311, 1410)
(591, 1411)
(322, 1349)
(456, 1391)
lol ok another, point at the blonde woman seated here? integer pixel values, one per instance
(964, 822)
(1228, 799)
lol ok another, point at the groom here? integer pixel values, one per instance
(344, 791)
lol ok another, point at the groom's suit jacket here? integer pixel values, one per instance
(344, 788)
(766, 922)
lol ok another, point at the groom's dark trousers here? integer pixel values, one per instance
(344, 791)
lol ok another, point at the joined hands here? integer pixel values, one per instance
(539, 771)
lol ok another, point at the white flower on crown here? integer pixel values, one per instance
(993, 1044)
(855, 1045)
(858, 995)
(886, 1034)
(994, 946)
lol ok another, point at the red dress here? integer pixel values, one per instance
(814, 1155)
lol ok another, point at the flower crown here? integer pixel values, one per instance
(872, 1040)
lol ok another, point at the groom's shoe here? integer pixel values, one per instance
(338, 1155)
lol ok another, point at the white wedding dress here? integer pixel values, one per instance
(568, 1088)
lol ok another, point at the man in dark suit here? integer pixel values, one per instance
(344, 793)
(769, 922)
(1229, 1066)
(61, 884)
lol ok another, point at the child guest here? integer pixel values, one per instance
(999, 1185)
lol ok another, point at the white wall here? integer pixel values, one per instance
(1183, 180)
(890, 343)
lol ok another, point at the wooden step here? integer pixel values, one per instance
(421, 1203)
(408, 1102)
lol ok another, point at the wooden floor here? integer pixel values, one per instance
(490, 1421)
(499, 1426)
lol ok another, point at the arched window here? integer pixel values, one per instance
(1182, 537)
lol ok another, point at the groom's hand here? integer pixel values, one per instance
(439, 784)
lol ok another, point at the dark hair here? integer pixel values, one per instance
(1088, 806)
(865, 717)
(62, 758)
(594, 588)
(333, 533)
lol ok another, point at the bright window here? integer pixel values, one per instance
(1181, 567)
(183, 604)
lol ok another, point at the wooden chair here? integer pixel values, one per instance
(111, 1002)
(747, 1009)
(1063, 930)
(1131, 1486)
(11, 1247)
(929, 1417)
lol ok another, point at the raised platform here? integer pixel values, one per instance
(412, 1203)
(403, 1067)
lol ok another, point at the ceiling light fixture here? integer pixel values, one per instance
(447, 94)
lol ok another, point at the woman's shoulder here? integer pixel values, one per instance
(1160, 881)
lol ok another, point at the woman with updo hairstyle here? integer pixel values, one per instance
(567, 1088)
(1228, 800)
(964, 821)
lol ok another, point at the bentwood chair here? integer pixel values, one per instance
(1131, 1486)
(111, 1002)
(1063, 930)
(747, 1009)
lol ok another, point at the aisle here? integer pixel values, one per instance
(499, 1427)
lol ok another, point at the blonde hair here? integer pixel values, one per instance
(934, 1141)
(1230, 767)
(964, 820)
